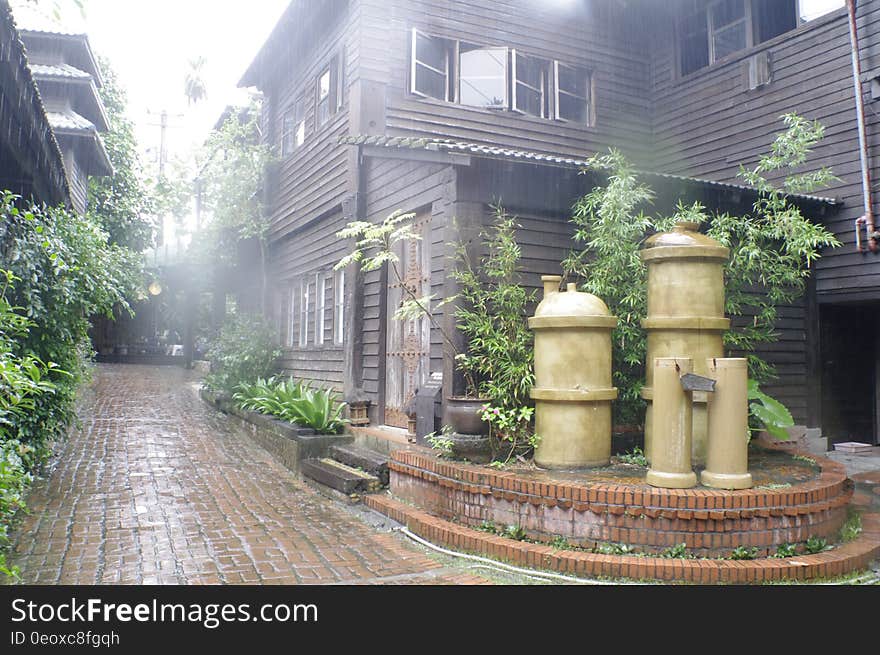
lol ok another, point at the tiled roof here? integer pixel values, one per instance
(58, 71)
(69, 121)
(511, 154)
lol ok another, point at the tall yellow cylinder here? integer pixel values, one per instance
(672, 426)
(573, 388)
(727, 458)
(685, 315)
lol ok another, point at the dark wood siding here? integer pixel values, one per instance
(592, 38)
(313, 178)
(395, 184)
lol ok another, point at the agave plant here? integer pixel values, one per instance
(318, 409)
(297, 402)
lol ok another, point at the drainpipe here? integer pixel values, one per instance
(867, 220)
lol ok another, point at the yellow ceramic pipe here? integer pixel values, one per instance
(672, 426)
(727, 458)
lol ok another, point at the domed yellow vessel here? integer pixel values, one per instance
(573, 388)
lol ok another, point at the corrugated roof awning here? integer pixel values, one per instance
(541, 158)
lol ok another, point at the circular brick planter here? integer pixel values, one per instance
(447, 500)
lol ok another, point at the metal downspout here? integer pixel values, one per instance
(867, 220)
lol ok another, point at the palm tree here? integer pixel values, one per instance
(194, 85)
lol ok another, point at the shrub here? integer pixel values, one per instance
(296, 402)
(243, 352)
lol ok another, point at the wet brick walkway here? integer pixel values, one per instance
(156, 489)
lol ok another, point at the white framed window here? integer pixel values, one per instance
(299, 129)
(320, 293)
(339, 307)
(324, 87)
(531, 81)
(729, 28)
(291, 315)
(304, 312)
(573, 93)
(431, 60)
(483, 76)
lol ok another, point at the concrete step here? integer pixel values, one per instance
(362, 458)
(339, 476)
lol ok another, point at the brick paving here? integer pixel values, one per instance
(157, 489)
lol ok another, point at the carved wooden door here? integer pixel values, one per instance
(409, 341)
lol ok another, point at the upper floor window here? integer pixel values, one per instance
(329, 90)
(531, 80)
(482, 77)
(496, 77)
(431, 64)
(293, 127)
(710, 32)
(320, 293)
(572, 94)
(304, 307)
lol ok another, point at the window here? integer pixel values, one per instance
(328, 91)
(572, 94)
(431, 62)
(293, 127)
(483, 77)
(339, 307)
(496, 77)
(812, 9)
(320, 291)
(304, 312)
(728, 31)
(710, 32)
(531, 78)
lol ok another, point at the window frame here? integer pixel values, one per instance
(288, 120)
(711, 30)
(339, 307)
(546, 67)
(451, 50)
(588, 99)
(304, 304)
(506, 102)
(320, 302)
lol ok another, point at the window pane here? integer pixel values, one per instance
(286, 133)
(729, 40)
(529, 70)
(529, 101)
(573, 80)
(773, 18)
(431, 51)
(694, 52)
(300, 133)
(572, 109)
(324, 84)
(726, 12)
(483, 78)
(810, 9)
(430, 83)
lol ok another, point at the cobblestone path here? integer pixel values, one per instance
(157, 489)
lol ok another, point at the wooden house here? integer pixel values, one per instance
(31, 162)
(68, 77)
(442, 108)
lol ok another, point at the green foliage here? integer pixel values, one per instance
(442, 443)
(296, 402)
(611, 224)
(492, 312)
(232, 168)
(852, 528)
(772, 248)
(560, 542)
(744, 552)
(122, 204)
(785, 550)
(515, 532)
(65, 272)
(816, 545)
(636, 457)
(243, 352)
(614, 549)
(770, 414)
(678, 551)
(511, 430)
